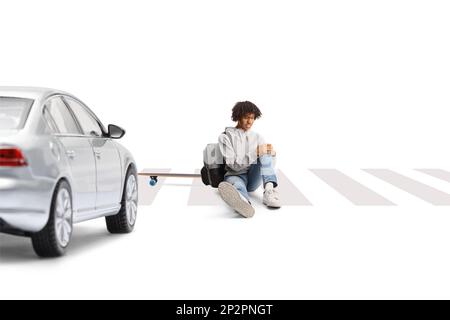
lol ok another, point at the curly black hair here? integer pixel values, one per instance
(241, 108)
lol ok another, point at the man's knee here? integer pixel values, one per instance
(265, 160)
(235, 181)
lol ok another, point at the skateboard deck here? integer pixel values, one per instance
(154, 176)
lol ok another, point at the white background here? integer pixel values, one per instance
(341, 84)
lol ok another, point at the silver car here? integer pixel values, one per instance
(60, 166)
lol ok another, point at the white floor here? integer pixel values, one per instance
(332, 249)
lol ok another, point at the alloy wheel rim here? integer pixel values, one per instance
(63, 217)
(131, 200)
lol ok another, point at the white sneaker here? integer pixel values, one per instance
(233, 198)
(271, 198)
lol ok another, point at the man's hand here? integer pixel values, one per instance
(265, 149)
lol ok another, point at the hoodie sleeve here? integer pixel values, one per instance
(232, 160)
(261, 140)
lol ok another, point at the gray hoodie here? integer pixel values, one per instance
(238, 148)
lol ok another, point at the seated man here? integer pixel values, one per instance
(248, 162)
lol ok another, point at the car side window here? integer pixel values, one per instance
(87, 122)
(62, 117)
(51, 125)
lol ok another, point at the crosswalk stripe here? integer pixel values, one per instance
(437, 173)
(351, 189)
(202, 195)
(146, 193)
(290, 195)
(414, 187)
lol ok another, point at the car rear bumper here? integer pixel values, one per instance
(24, 204)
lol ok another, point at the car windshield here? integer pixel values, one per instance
(14, 112)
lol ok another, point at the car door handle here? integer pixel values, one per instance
(70, 154)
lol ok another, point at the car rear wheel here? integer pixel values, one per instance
(53, 240)
(124, 221)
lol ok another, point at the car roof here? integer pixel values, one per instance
(38, 95)
(34, 93)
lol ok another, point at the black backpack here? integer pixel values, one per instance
(213, 171)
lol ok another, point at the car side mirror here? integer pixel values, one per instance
(115, 132)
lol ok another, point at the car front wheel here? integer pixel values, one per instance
(124, 221)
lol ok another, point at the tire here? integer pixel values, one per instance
(53, 240)
(125, 219)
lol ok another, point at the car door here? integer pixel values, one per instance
(107, 157)
(79, 152)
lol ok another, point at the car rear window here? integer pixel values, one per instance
(14, 112)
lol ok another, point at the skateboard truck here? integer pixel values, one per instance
(154, 176)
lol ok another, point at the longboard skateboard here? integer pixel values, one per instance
(154, 176)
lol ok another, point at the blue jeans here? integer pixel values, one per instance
(260, 172)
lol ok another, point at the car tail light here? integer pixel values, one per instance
(12, 157)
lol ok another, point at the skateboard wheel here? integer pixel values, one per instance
(153, 181)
